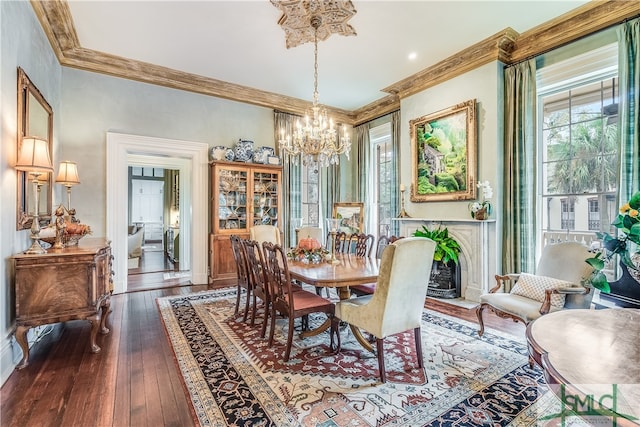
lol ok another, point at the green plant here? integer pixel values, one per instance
(447, 248)
(625, 244)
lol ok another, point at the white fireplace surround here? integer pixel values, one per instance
(477, 242)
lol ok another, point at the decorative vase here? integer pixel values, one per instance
(481, 214)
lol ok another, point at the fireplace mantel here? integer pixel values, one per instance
(478, 243)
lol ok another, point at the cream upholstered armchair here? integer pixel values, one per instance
(312, 232)
(398, 301)
(556, 285)
(265, 233)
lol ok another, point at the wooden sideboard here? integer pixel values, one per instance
(73, 283)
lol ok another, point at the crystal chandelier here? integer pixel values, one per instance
(317, 141)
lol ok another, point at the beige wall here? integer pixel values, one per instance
(93, 104)
(483, 84)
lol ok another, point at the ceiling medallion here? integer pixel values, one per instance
(297, 14)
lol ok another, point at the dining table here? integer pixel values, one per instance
(343, 271)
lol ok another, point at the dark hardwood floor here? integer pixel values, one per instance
(133, 381)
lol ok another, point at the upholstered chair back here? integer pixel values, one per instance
(265, 233)
(398, 300)
(313, 232)
(566, 261)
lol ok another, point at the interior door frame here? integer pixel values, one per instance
(191, 159)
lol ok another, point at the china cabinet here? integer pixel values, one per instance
(242, 195)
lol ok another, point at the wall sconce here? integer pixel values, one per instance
(68, 176)
(34, 158)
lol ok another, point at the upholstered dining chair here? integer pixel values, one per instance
(369, 288)
(283, 298)
(242, 273)
(265, 233)
(312, 232)
(556, 285)
(258, 279)
(398, 301)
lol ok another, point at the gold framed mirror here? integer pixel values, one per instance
(35, 119)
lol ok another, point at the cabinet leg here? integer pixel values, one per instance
(106, 310)
(95, 325)
(21, 339)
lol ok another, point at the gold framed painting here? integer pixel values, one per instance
(351, 215)
(443, 154)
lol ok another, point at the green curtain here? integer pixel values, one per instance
(394, 229)
(361, 166)
(519, 207)
(329, 189)
(291, 177)
(628, 120)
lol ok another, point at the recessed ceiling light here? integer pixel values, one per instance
(412, 56)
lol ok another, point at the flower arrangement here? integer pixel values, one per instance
(482, 209)
(626, 244)
(308, 256)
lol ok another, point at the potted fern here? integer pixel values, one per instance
(445, 273)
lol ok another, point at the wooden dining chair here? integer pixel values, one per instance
(398, 301)
(362, 244)
(258, 279)
(284, 300)
(338, 242)
(369, 288)
(242, 273)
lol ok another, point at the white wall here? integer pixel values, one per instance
(22, 44)
(485, 85)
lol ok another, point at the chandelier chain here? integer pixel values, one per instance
(316, 142)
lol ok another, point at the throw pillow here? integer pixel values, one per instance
(532, 286)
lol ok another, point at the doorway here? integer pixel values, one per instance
(191, 160)
(153, 240)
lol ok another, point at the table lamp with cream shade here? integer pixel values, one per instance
(68, 176)
(34, 159)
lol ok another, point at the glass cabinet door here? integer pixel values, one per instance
(232, 199)
(265, 198)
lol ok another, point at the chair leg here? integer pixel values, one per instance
(289, 340)
(245, 316)
(253, 310)
(380, 351)
(480, 320)
(418, 337)
(238, 293)
(273, 324)
(267, 308)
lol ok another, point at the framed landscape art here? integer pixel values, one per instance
(443, 154)
(351, 215)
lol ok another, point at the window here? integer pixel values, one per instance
(383, 179)
(568, 214)
(594, 214)
(578, 150)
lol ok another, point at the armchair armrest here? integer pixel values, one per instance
(503, 280)
(572, 290)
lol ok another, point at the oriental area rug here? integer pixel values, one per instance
(233, 378)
